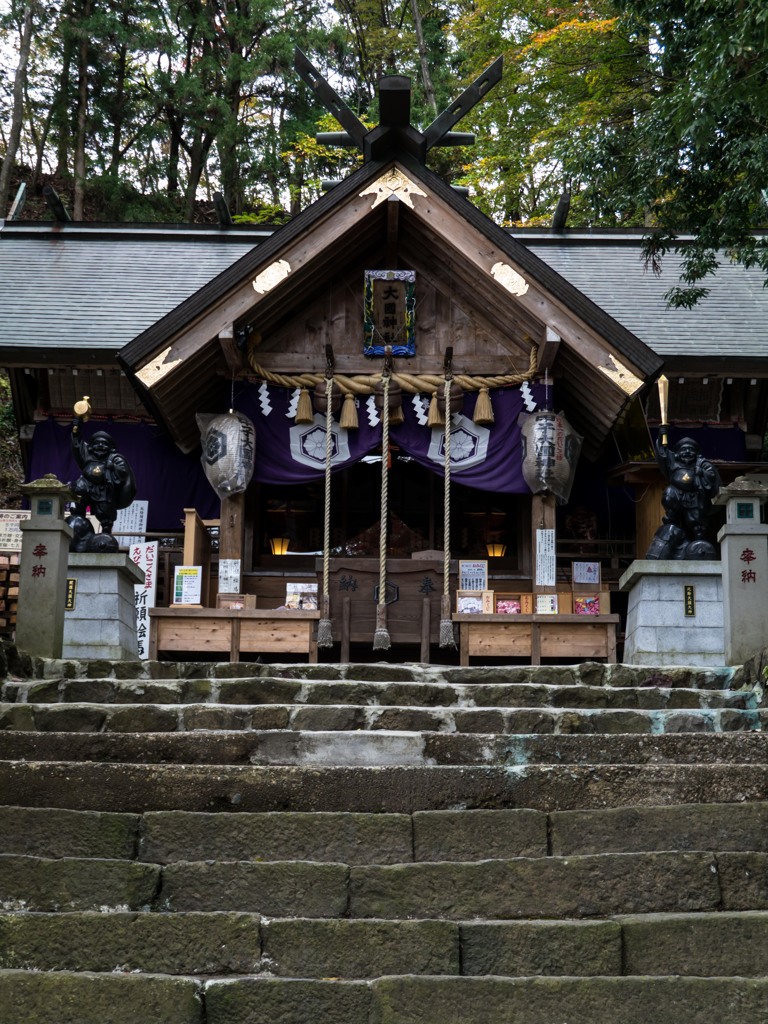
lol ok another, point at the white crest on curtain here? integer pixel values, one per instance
(308, 443)
(469, 443)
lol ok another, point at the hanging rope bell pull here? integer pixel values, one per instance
(381, 638)
(324, 389)
(325, 625)
(446, 635)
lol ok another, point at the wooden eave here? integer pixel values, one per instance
(508, 289)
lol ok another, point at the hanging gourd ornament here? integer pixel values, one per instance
(456, 400)
(395, 395)
(321, 397)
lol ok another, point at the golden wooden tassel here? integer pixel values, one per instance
(435, 417)
(396, 416)
(304, 413)
(348, 419)
(483, 409)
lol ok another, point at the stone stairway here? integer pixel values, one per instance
(381, 844)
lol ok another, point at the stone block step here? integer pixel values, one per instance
(577, 886)
(136, 788)
(64, 997)
(70, 998)
(718, 944)
(45, 884)
(120, 942)
(361, 698)
(227, 943)
(246, 746)
(163, 837)
(121, 718)
(586, 673)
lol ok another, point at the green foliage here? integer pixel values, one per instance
(11, 474)
(648, 112)
(699, 145)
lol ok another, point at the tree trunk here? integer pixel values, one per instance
(198, 156)
(82, 119)
(426, 77)
(17, 113)
(117, 129)
(60, 105)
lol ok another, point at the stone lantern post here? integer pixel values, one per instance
(744, 553)
(43, 569)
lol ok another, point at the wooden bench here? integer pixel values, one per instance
(233, 632)
(561, 637)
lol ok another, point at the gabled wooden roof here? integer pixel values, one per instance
(392, 212)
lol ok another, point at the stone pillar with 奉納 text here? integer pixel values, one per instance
(744, 553)
(43, 569)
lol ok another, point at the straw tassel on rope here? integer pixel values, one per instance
(348, 419)
(304, 412)
(325, 626)
(381, 639)
(483, 409)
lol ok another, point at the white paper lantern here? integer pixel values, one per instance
(228, 441)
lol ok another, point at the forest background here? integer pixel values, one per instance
(645, 113)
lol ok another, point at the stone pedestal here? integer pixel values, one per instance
(669, 624)
(102, 623)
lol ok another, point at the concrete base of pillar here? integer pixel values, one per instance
(659, 632)
(103, 622)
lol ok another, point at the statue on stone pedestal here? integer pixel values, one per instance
(692, 483)
(105, 485)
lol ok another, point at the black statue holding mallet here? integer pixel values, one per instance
(692, 483)
(106, 484)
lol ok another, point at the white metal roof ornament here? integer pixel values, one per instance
(393, 183)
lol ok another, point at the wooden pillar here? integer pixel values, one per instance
(542, 518)
(232, 527)
(648, 514)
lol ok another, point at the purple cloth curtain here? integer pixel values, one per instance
(169, 480)
(487, 458)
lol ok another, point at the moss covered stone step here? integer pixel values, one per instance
(718, 944)
(540, 887)
(517, 888)
(575, 1000)
(69, 998)
(37, 997)
(239, 747)
(734, 826)
(135, 788)
(439, 1000)
(39, 883)
(227, 943)
(298, 725)
(155, 943)
(162, 837)
(368, 695)
(589, 673)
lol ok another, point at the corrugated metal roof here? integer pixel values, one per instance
(731, 321)
(97, 290)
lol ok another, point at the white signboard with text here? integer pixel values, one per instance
(546, 563)
(145, 557)
(131, 521)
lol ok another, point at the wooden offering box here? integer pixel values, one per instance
(232, 632)
(560, 637)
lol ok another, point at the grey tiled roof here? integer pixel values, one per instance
(731, 321)
(95, 290)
